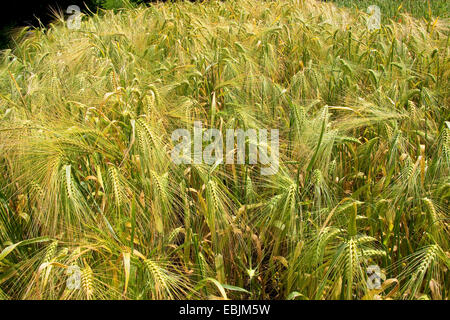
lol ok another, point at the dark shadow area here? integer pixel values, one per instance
(17, 14)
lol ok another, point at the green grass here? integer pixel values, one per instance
(86, 178)
(392, 9)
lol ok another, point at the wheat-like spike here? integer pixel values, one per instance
(324, 115)
(446, 136)
(36, 188)
(156, 272)
(324, 238)
(408, 169)
(49, 256)
(174, 233)
(202, 264)
(213, 205)
(430, 256)
(446, 151)
(412, 109)
(431, 209)
(418, 268)
(317, 177)
(69, 183)
(216, 212)
(114, 176)
(351, 264)
(141, 138)
(369, 253)
(332, 168)
(249, 187)
(290, 205)
(78, 146)
(50, 252)
(389, 131)
(155, 93)
(148, 131)
(290, 198)
(212, 191)
(87, 281)
(273, 202)
(160, 183)
(350, 139)
(151, 103)
(446, 143)
(166, 283)
(364, 239)
(161, 197)
(299, 117)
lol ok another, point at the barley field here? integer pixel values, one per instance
(393, 9)
(92, 206)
